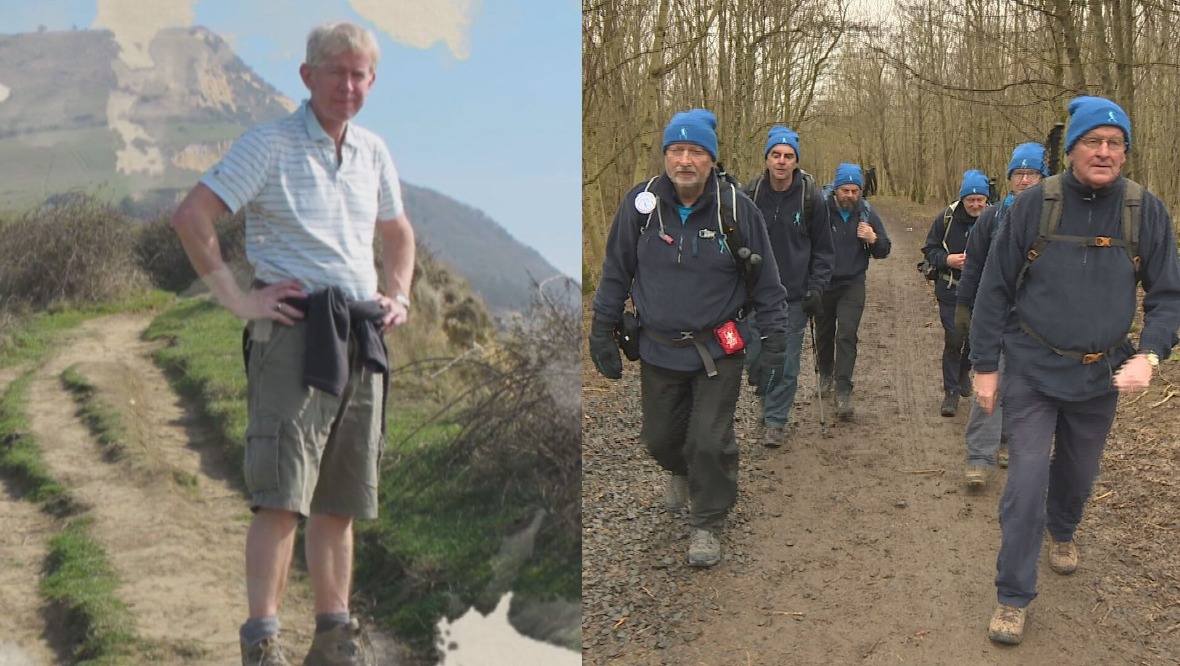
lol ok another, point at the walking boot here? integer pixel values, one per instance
(950, 404)
(337, 647)
(266, 652)
(704, 550)
(775, 438)
(1063, 557)
(1007, 625)
(844, 406)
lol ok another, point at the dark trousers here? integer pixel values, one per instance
(1041, 492)
(956, 350)
(688, 429)
(835, 333)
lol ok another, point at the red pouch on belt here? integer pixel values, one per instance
(728, 337)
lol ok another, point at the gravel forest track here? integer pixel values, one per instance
(172, 522)
(866, 546)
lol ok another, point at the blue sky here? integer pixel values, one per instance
(489, 113)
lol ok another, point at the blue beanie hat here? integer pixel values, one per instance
(848, 174)
(1028, 156)
(781, 134)
(696, 126)
(974, 182)
(1086, 113)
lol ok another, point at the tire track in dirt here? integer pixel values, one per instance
(177, 547)
(863, 547)
(24, 542)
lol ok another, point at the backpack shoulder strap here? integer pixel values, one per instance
(808, 207)
(946, 223)
(1132, 213)
(1050, 221)
(647, 220)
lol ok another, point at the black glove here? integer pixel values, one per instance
(767, 369)
(812, 305)
(604, 350)
(962, 321)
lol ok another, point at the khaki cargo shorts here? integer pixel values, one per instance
(308, 451)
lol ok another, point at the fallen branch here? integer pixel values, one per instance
(1172, 628)
(925, 471)
(1104, 495)
(1166, 398)
(790, 613)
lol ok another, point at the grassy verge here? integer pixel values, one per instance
(429, 553)
(105, 423)
(79, 582)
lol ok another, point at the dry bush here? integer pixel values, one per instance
(523, 429)
(78, 250)
(161, 255)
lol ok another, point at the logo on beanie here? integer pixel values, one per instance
(1024, 163)
(684, 133)
(1110, 115)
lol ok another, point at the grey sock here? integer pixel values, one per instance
(259, 628)
(329, 621)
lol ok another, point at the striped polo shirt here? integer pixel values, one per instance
(308, 218)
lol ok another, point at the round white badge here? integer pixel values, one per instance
(645, 202)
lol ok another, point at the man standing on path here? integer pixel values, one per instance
(316, 189)
(797, 223)
(682, 247)
(1068, 261)
(946, 249)
(985, 431)
(857, 235)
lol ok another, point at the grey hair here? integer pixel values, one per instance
(332, 39)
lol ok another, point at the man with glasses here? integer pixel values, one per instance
(1059, 292)
(674, 249)
(984, 431)
(946, 249)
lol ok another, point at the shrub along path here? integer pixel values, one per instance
(168, 512)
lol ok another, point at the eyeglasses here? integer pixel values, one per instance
(1094, 143)
(1026, 175)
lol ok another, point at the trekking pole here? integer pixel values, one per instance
(819, 387)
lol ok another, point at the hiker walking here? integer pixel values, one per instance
(316, 189)
(985, 431)
(682, 247)
(946, 250)
(857, 235)
(1059, 292)
(797, 224)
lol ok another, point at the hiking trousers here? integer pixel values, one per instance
(1041, 493)
(835, 332)
(688, 429)
(776, 405)
(985, 432)
(955, 350)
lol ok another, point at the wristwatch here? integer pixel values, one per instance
(403, 299)
(1153, 358)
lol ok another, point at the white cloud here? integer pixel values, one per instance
(421, 23)
(4, 92)
(135, 23)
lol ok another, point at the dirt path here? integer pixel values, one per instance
(23, 546)
(176, 545)
(864, 547)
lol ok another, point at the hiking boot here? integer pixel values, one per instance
(774, 438)
(676, 493)
(950, 404)
(1002, 458)
(1063, 557)
(704, 550)
(1007, 625)
(826, 385)
(266, 652)
(844, 406)
(976, 477)
(340, 646)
